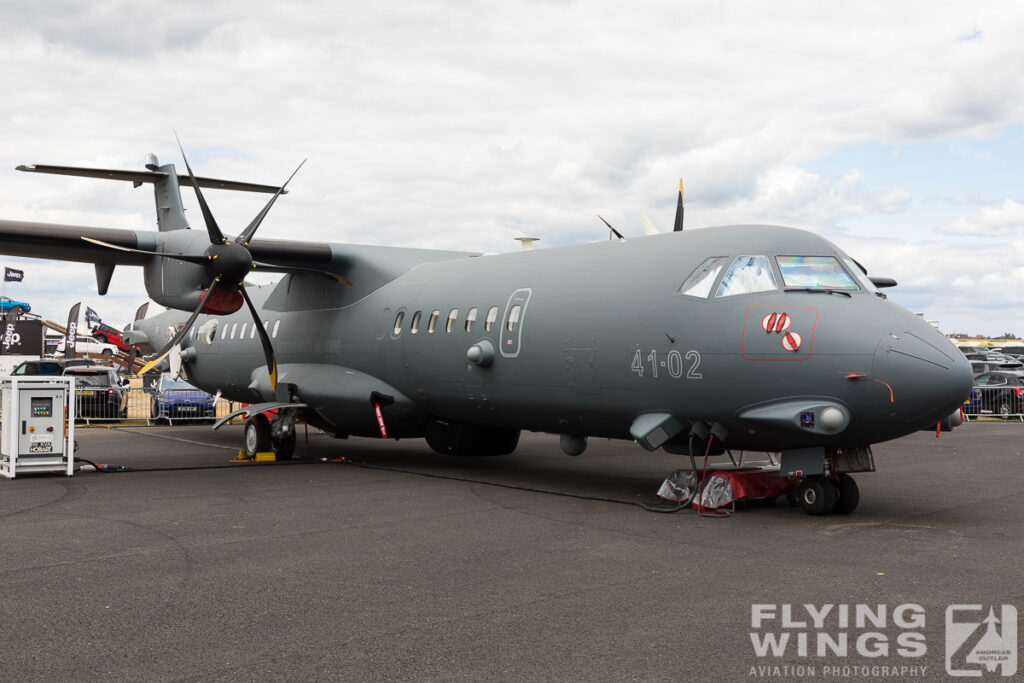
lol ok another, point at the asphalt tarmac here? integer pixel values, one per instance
(333, 571)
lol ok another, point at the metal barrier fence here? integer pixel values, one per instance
(104, 404)
(995, 401)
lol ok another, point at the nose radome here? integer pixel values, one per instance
(928, 382)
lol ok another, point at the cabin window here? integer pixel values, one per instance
(513, 318)
(432, 323)
(814, 272)
(470, 319)
(398, 323)
(255, 330)
(699, 282)
(277, 324)
(234, 328)
(453, 315)
(746, 275)
(492, 316)
(241, 330)
(414, 326)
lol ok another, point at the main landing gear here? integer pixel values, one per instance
(275, 435)
(821, 495)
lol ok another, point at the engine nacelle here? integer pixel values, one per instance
(458, 438)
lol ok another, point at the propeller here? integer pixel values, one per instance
(227, 263)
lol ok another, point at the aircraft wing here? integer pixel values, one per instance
(65, 243)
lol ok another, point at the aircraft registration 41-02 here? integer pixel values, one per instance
(740, 337)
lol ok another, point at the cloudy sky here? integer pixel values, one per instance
(895, 129)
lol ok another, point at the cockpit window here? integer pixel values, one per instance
(747, 274)
(700, 280)
(814, 272)
(859, 274)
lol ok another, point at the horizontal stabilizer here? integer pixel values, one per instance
(139, 177)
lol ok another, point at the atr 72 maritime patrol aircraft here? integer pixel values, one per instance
(745, 337)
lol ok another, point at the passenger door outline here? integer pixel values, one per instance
(510, 339)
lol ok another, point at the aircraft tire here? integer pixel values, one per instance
(817, 495)
(284, 449)
(849, 495)
(257, 435)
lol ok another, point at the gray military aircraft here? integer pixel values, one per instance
(744, 337)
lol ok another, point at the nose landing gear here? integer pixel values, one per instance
(821, 495)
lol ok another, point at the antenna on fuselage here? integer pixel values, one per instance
(526, 243)
(613, 230)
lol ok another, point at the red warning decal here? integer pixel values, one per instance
(776, 322)
(787, 333)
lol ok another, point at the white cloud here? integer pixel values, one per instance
(462, 125)
(989, 221)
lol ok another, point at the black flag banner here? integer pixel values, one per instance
(9, 331)
(72, 331)
(91, 316)
(12, 275)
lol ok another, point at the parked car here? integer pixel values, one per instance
(176, 399)
(88, 346)
(47, 367)
(996, 393)
(109, 335)
(979, 367)
(100, 391)
(7, 305)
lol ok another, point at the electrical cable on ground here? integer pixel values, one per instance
(685, 504)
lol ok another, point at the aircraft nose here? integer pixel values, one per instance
(928, 377)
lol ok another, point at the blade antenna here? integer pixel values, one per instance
(617, 233)
(216, 236)
(268, 349)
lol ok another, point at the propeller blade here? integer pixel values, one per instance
(183, 331)
(648, 225)
(271, 268)
(190, 258)
(250, 230)
(216, 236)
(268, 349)
(679, 209)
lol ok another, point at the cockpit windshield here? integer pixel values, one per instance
(699, 282)
(746, 275)
(814, 272)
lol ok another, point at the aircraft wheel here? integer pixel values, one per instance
(793, 496)
(257, 436)
(284, 448)
(817, 495)
(849, 495)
